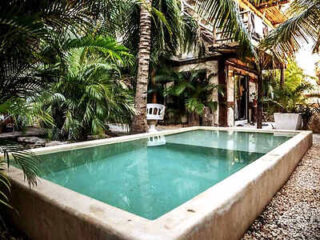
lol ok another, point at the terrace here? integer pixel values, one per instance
(254, 24)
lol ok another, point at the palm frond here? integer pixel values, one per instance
(225, 16)
(24, 159)
(302, 27)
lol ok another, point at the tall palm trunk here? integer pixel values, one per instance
(139, 123)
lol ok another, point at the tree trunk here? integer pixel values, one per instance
(139, 123)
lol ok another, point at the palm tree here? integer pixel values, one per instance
(171, 32)
(192, 90)
(24, 26)
(88, 90)
(225, 15)
(139, 123)
(302, 27)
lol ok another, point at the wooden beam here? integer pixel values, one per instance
(222, 98)
(245, 4)
(176, 63)
(241, 66)
(265, 5)
(214, 36)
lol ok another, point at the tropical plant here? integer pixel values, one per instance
(287, 99)
(88, 90)
(225, 16)
(24, 25)
(290, 96)
(27, 112)
(192, 89)
(139, 123)
(293, 75)
(302, 26)
(24, 159)
(162, 24)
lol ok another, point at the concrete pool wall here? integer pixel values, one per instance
(224, 211)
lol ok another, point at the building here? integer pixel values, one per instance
(238, 104)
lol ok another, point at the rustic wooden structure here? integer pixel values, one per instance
(232, 72)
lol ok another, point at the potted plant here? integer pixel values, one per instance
(285, 103)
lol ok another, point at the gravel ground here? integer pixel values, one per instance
(294, 212)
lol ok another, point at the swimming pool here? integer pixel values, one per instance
(194, 183)
(152, 180)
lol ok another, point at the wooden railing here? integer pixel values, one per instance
(254, 25)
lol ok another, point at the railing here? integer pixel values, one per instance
(254, 25)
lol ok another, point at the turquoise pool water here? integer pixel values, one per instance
(150, 180)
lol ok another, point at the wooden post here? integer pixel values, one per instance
(214, 36)
(260, 96)
(222, 98)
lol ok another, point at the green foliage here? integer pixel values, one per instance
(10, 153)
(295, 76)
(301, 27)
(171, 30)
(192, 88)
(27, 112)
(24, 25)
(36, 54)
(288, 98)
(24, 159)
(225, 15)
(88, 90)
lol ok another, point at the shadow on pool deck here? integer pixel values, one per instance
(294, 212)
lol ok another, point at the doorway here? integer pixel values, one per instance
(241, 91)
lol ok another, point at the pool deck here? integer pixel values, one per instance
(294, 212)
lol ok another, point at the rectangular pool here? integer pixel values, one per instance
(190, 183)
(151, 176)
